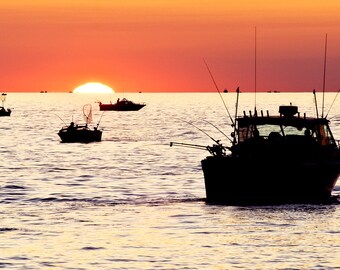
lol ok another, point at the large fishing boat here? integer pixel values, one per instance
(273, 159)
(3, 110)
(121, 105)
(81, 132)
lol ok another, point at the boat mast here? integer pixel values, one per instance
(324, 78)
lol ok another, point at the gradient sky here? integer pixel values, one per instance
(159, 45)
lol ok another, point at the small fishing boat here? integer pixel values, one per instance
(3, 111)
(273, 159)
(81, 132)
(121, 105)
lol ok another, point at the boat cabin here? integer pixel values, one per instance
(286, 134)
(286, 125)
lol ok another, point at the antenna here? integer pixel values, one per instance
(225, 106)
(255, 70)
(324, 78)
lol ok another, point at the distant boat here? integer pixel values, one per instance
(273, 159)
(3, 111)
(81, 132)
(121, 105)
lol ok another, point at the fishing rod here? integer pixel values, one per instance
(219, 130)
(216, 149)
(100, 119)
(225, 106)
(189, 145)
(61, 119)
(332, 102)
(216, 141)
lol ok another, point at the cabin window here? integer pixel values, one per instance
(265, 130)
(290, 130)
(258, 131)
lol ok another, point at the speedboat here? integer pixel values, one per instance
(121, 105)
(273, 159)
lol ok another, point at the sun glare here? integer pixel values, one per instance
(93, 87)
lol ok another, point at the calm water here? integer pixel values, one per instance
(132, 202)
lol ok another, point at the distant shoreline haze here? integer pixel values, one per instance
(222, 92)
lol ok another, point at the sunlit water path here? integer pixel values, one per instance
(133, 202)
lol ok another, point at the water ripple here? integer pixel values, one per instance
(133, 202)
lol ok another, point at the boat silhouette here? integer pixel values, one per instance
(121, 105)
(274, 159)
(81, 132)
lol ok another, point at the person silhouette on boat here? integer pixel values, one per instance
(308, 132)
(71, 127)
(256, 133)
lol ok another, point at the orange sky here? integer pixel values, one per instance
(155, 46)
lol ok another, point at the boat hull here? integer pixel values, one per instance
(4, 112)
(82, 136)
(235, 181)
(118, 107)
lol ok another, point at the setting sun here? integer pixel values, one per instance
(93, 87)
